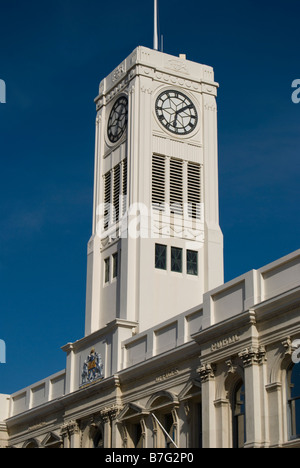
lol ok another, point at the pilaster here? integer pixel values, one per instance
(207, 376)
(253, 358)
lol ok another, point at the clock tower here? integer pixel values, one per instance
(156, 246)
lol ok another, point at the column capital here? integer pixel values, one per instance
(110, 413)
(253, 355)
(207, 372)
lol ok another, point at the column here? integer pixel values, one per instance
(112, 436)
(208, 408)
(223, 426)
(274, 391)
(253, 358)
(71, 435)
(74, 434)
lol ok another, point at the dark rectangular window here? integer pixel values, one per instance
(176, 260)
(107, 269)
(115, 265)
(192, 262)
(160, 257)
(294, 401)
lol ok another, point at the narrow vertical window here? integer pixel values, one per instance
(107, 270)
(192, 262)
(239, 417)
(99, 439)
(169, 426)
(115, 265)
(294, 401)
(176, 260)
(137, 436)
(161, 257)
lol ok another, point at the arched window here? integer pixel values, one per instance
(31, 444)
(163, 408)
(294, 401)
(239, 416)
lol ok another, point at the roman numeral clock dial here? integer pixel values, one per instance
(176, 112)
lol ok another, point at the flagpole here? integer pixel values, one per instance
(155, 42)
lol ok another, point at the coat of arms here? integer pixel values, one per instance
(92, 368)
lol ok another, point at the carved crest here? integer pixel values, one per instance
(92, 368)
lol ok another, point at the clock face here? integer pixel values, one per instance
(117, 122)
(176, 112)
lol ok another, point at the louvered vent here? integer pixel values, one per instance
(176, 186)
(158, 182)
(194, 190)
(107, 200)
(116, 196)
(124, 187)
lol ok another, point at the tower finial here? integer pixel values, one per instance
(155, 41)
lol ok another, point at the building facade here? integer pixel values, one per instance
(172, 356)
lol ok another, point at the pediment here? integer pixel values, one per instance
(191, 390)
(51, 439)
(131, 410)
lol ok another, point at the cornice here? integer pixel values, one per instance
(110, 327)
(227, 327)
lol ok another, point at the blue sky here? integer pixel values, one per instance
(52, 57)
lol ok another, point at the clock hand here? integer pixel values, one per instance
(184, 109)
(175, 121)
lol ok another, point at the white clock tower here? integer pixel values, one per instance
(156, 246)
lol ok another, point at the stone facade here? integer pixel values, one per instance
(171, 356)
(191, 387)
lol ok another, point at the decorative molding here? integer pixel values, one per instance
(166, 229)
(70, 428)
(210, 107)
(166, 78)
(118, 72)
(221, 403)
(288, 345)
(73, 428)
(179, 65)
(146, 90)
(131, 89)
(121, 87)
(231, 369)
(110, 413)
(274, 387)
(187, 409)
(207, 372)
(253, 356)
